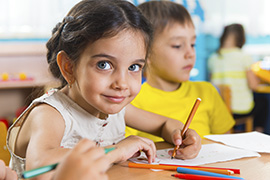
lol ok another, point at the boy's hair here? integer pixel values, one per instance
(237, 30)
(163, 13)
(89, 21)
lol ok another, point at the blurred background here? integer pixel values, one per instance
(32, 21)
(26, 25)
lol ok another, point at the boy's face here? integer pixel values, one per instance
(108, 74)
(173, 53)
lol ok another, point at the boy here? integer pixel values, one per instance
(167, 90)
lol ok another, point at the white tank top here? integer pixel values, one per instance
(78, 124)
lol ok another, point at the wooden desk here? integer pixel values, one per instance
(256, 168)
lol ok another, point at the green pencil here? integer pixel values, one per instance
(44, 169)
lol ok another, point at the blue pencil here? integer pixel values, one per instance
(205, 173)
(44, 169)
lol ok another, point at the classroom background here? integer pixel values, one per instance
(25, 26)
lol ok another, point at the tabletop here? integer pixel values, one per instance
(253, 168)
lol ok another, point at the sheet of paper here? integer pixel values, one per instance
(253, 141)
(210, 153)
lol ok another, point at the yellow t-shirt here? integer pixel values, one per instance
(212, 116)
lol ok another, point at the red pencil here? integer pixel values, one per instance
(236, 171)
(198, 177)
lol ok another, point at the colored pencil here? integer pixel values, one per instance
(190, 117)
(203, 173)
(235, 171)
(174, 168)
(152, 166)
(198, 177)
(38, 171)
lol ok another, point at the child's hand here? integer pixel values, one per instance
(131, 147)
(189, 146)
(85, 161)
(6, 173)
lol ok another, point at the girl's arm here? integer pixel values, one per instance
(253, 80)
(46, 128)
(168, 129)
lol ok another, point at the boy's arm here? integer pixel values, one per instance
(167, 128)
(152, 123)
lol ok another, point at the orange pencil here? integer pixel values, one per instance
(235, 171)
(173, 168)
(190, 117)
(152, 166)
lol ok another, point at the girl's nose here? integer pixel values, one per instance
(120, 82)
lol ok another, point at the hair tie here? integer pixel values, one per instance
(68, 19)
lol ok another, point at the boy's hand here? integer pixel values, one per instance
(131, 147)
(189, 147)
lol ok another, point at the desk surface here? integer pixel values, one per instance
(255, 168)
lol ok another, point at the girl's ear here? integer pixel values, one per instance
(66, 67)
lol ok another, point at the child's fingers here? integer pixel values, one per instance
(94, 153)
(150, 143)
(84, 145)
(102, 164)
(192, 138)
(149, 149)
(2, 170)
(189, 152)
(190, 146)
(176, 137)
(104, 177)
(10, 174)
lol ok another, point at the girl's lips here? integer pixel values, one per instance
(115, 99)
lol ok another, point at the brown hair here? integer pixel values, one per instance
(163, 13)
(90, 20)
(237, 30)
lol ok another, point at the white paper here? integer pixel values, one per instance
(253, 141)
(209, 153)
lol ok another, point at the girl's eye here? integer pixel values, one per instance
(104, 65)
(134, 67)
(193, 45)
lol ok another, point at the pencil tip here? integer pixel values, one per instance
(171, 157)
(172, 175)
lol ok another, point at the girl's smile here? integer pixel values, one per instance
(108, 74)
(115, 99)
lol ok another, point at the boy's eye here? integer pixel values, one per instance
(104, 65)
(134, 67)
(193, 45)
(176, 46)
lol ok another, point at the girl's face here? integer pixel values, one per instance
(173, 54)
(108, 74)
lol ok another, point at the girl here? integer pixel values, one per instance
(231, 66)
(97, 52)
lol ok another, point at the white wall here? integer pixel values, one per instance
(36, 18)
(253, 14)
